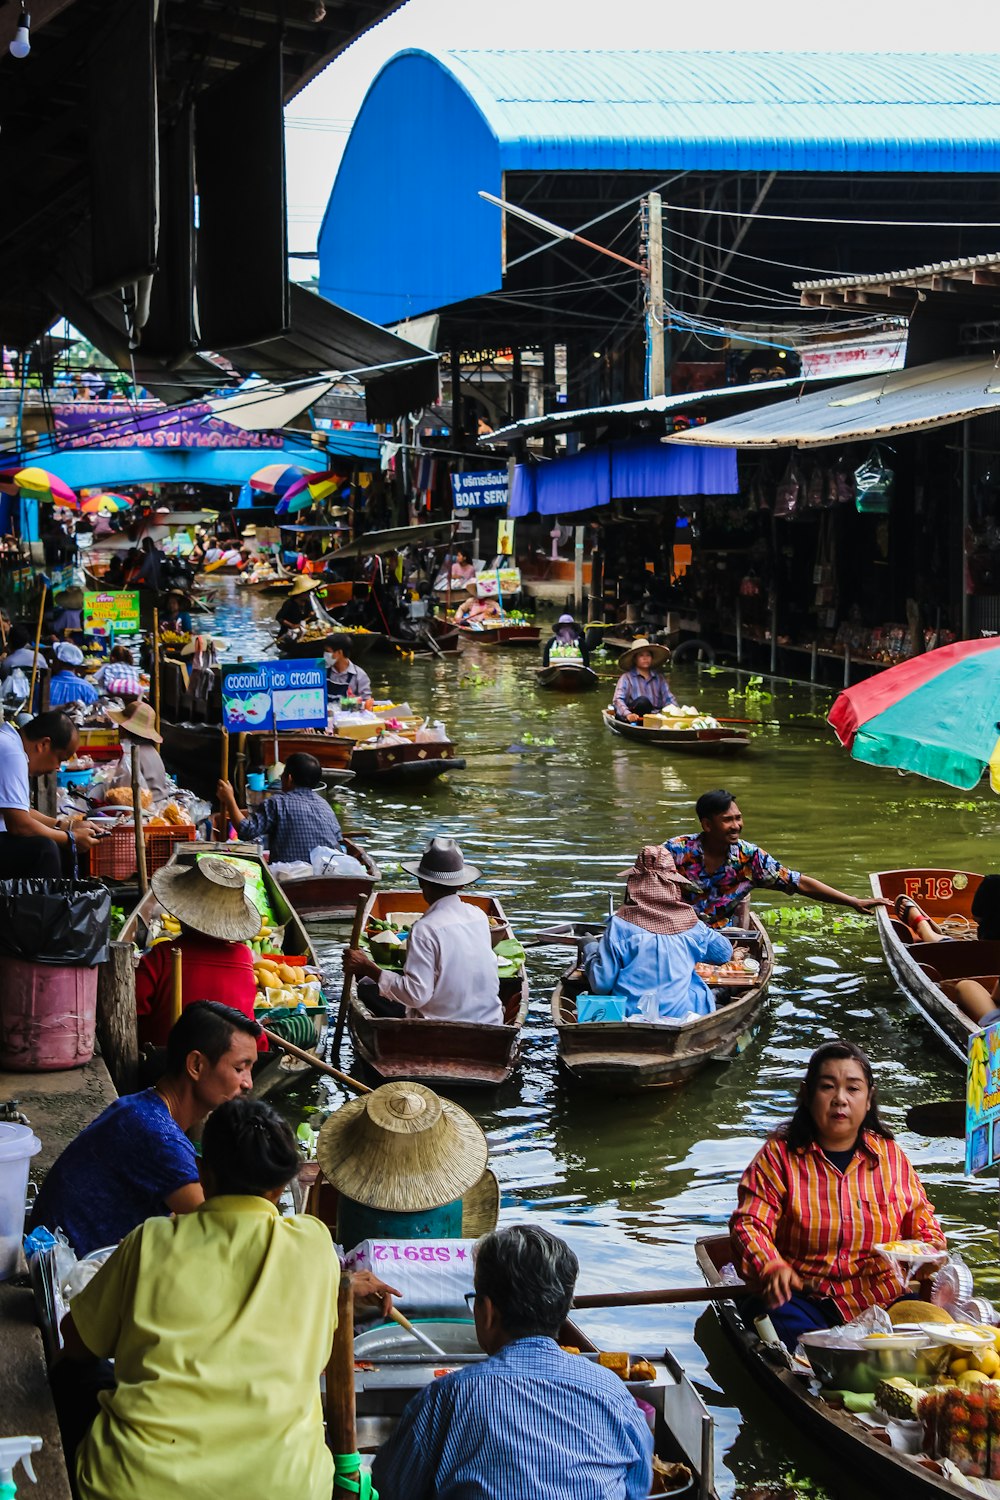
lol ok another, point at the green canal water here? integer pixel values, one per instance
(632, 1183)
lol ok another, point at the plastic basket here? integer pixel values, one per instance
(113, 857)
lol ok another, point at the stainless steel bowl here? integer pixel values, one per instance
(852, 1367)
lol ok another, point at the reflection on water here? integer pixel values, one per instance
(632, 1183)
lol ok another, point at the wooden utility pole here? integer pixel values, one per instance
(656, 379)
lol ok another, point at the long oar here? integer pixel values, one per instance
(317, 1063)
(338, 1036)
(663, 1294)
(941, 1117)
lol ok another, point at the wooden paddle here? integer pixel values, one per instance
(38, 640)
(663, 1294)
(940, 1117)
(140, 838)
(338, 1036)
(316, 1062)
(421, 1338)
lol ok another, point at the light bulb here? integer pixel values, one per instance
(21, 44)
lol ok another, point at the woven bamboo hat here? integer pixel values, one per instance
(660, 654)
(303, 585)
(210, 896)
(402, 1149)
(138, 720)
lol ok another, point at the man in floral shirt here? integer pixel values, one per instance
(724, 868)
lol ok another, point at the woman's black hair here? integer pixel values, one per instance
(248, 1148)
(986, 908)
(800, 1130)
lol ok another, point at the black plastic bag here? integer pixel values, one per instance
(55, 921)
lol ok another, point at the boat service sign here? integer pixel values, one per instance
(104, 614)
(982, 1100)
(269, 697)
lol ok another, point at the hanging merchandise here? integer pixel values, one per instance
(843, 482)
(815, 490)
(874, 481)
(788, 498)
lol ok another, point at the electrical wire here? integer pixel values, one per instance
(733, 213)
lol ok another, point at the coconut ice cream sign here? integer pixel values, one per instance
(269, 697)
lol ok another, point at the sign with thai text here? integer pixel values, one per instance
(114, 424)
(269, 697)
(480, 491)
(104, 614)
(982, 1100)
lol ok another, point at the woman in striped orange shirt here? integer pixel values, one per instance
(826, 1187)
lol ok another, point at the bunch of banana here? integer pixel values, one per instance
(978, 1070)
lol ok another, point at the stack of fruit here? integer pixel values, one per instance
(964, 1427)
(285, 985)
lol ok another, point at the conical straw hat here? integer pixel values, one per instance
(481, 1207)
(402, 1149)
(209, 896)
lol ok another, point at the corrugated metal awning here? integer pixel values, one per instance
(901, 401)
(376, 543)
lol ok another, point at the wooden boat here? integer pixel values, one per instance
(332, 898)
(490, 637)
(925, 971)
(722, 741)
(566, 676)
(863, 1452)
(274, 1069)
(363, 643)
(194, 752)
(442, 1054)
(412, 764)
(628, 1056)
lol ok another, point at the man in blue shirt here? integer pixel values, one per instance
(135, 1160)
(530, 1420)
(64, 685)
(295, 821)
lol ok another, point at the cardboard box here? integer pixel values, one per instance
(600, 1008)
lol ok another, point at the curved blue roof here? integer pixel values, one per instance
(433, 131)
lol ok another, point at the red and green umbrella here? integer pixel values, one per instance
(319, 486)
(937, 715)
(276, 479)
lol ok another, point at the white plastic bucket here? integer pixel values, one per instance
(17, 1146)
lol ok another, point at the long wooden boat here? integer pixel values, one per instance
(925, 971)
(442, 1054)
(194, 752)
(363, 643)
(566, 677)
(490, 637)
(722, 741)
(413, 763)
(863, 1452)
(274, 1069)
(629, 1056)
(333, 898)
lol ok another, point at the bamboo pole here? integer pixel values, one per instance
(156, 664)
(176, 984)
(317, 1063)
(663, 1294)
(341, 1422)
(224, 773)
(38, 640)
(140, 842)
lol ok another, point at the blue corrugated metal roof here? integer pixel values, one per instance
(433, 131)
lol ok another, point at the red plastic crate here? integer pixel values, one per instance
(113, 857)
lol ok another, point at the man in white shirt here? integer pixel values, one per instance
(31, 842)
(450, 972)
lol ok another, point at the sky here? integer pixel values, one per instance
(318, 121)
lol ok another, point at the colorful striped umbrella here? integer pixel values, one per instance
(276, 479)
(937, 714)
(107, 502)
(39, 484)
(320, 486)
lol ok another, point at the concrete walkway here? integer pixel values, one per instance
(58, 1106)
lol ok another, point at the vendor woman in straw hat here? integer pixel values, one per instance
(297, 608)
(404, 1151)
(650, 947)
(137, 726)
(450, 973)
(641, 688)
(217, 921)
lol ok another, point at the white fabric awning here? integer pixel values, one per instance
(900, 401)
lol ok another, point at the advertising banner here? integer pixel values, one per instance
(982, 1100)
(107, 614)
(270, 697)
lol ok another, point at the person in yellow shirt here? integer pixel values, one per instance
(220, 1324)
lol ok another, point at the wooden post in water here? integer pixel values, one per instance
(38, 638)
(116, 1026)
(340, 1411)
(156, 665)
(140, 842)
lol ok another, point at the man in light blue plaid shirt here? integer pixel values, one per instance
(295, 821)
(531, 1421)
